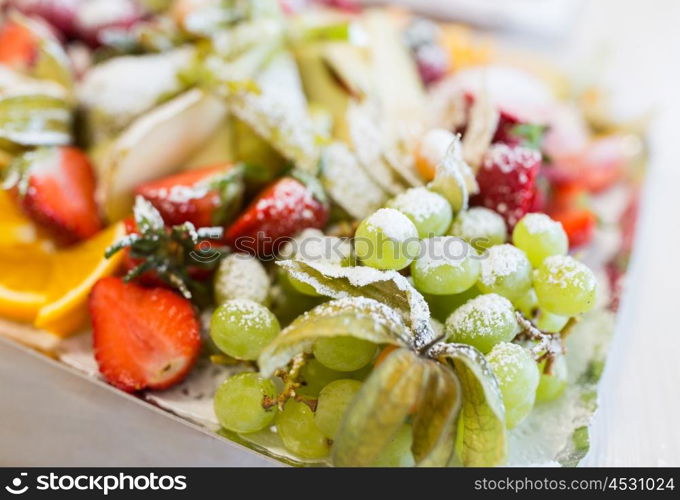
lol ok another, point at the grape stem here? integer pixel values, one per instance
(290, 381)
(548, 347)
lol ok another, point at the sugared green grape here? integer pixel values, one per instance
(481, 227)
(551, 323)
(430, 212)
(527, 303)
(446, 266)
(441, 306)
(299, 432)
(483, 322)
(540, 237)
(565, 286)
(518, 377)
(397, 453)
(241, 276)
(311, 245)
(332, 403)
(239, 403)
(242, 328)
(345, 353)
(387, 240)
(551, 387)
(506, 271)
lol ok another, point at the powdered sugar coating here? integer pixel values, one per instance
(537, 223)
(502, 261)
(420, 203)
(508, 158)
(392, 223)
(241, 276)
(483, 322)
(434, 145)
(564, 271)
(480, 226)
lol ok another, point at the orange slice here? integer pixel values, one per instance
(24, 274)
(74, 273)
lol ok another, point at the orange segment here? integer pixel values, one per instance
(74, 273)
(15, 228)
(24, 274)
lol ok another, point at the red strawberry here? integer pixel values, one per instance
(57, 191)
(579, 224)
(187, 197)
(507, 181)
(18, 45)
(282, 210)
(597, 167)
(144, 338)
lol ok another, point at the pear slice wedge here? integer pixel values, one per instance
(156, 144)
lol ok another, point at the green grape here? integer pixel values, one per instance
(551, 323)
(287, 303)
(242, 328)
(332, 403)
(299, 432)
(397, 453)
(551, 387)
(314, 376)
(447, 266)
(481, 227)
(483, 322)
(239, 403)
(430, 212)
(518, 377)
(387, 240)
(540, 237)
(345, 353)
(441, 306)
(565, 286)
(527, 303)
(506, 271)
(241, 276)
(312, 245)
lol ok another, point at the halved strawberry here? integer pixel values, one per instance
(144, 338)
(18, 45)
(507, 181)
(188, 197)
(282, 210)
(56, 188)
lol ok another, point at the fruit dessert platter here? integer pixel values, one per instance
(335, 235)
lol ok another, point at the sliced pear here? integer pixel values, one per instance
(394, 74)
(321, 86)
(116, 92)
(220, 148)
(348, 184)
(155, 145)
(279, 113)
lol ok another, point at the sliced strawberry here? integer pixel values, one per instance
(595, 168)
(188, 196)
(18, 45)
(144, 338)
(507, 181)
(58, 192)
(282, 210)
(579, 224)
